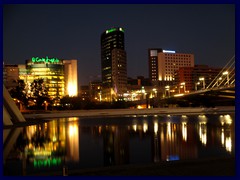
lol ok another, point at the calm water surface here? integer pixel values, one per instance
(79, 143)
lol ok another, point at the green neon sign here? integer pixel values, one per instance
(46, 60)
(113, 29)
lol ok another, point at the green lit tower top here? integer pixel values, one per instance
(112, 42)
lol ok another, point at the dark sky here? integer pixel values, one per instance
(72, 31)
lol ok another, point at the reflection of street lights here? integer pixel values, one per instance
(196, 84)
(226, 73)
(203, 80)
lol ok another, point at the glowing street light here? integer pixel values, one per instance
(219, 80)
(184, 87)
(226, 73)
(155, 92)
(196, 85)
(167, 88)
(203, 80)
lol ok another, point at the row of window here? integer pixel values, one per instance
(177, 55)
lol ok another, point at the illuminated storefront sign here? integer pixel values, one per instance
(45, 60)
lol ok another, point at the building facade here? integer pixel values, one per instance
(51, 70)
(169, 62)
(59, 76)
(113, 64)
(10, 75)
(197, 77)
(71, 77)
(153, 64)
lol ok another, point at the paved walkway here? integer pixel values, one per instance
(208, 167)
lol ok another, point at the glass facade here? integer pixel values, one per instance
(51, 72)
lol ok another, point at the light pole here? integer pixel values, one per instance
(154, 92)
(196, 85)
(184, 88)
(219, 80)
(203, 80)
(167, 90)
(226, 73)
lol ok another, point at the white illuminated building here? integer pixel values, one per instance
(169, 61)
(70, 76)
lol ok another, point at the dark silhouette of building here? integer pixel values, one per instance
(113, 64)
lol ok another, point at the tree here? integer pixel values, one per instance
(39, 92)
(19, 92)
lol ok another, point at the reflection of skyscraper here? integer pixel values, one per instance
(116, 146)
(113, 62)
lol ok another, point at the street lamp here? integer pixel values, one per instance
(184, 88)
(226, 73)
(167, 89)
(219, 80)
(155, 92)
(196, 84)
(203, 80)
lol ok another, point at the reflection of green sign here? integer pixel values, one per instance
(46, 60)
(47, 162)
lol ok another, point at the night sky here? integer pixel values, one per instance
(72, 31)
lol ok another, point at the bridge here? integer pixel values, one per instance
(221, 91)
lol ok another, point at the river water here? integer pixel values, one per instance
(78, 143)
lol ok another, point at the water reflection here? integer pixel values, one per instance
(226, 137)
(203, 129)
(81, 143)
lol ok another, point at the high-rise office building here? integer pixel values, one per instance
(170, 61)
(164, 63)
(153, 64)
(113, 64)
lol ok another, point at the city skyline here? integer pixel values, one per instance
(73, 31)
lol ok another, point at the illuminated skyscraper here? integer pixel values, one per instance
(153, 64)
(113, 64)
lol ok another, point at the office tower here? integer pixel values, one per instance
(153, 64)
(170, 61)
(164, 63)
(113, 64)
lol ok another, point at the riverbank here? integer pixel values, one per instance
(123, 112)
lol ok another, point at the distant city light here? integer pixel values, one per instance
(168, 51)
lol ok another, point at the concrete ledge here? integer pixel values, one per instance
(120, 112)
